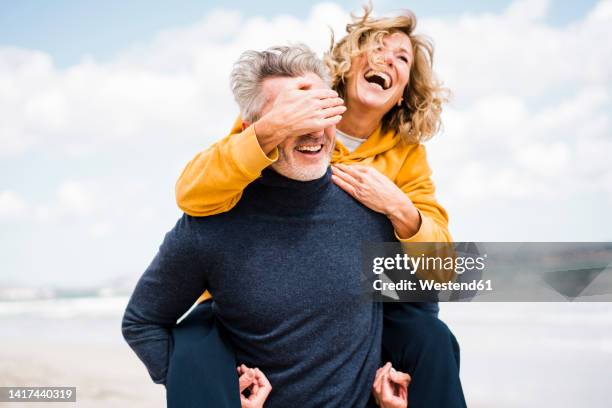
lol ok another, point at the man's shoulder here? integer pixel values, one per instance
(189, 227)
(355, 212)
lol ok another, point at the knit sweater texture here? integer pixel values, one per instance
(284, 267)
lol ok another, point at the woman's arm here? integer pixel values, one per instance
(414, 179)
(213, 181)
(409, 203)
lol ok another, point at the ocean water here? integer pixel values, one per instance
(534, 354)
(512, 354)
(64, 320)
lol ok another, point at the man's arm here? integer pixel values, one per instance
(167, 289)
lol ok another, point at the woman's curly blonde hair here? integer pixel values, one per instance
(418, 117)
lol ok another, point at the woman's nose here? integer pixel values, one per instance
(388, 58)
(384, 57)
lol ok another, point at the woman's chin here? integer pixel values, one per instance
(375, 102)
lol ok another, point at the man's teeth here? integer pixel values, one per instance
(309, 148)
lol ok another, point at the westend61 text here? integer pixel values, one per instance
(406, 285)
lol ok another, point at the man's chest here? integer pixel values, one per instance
(264, 277)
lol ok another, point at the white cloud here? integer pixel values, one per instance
(101, 229)
(527, 10)
(78, 198)
(74, 200)
(515, 54)
(602, 11)
(12, 205)
(530, 121)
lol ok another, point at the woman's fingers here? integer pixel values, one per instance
(329, 122)
(262, 379)
(399, 378)
(333, 111)
(344, 185)
(244, 402)
(331, 102)
(319, 93)
(383, 371)
(258, 385)
(345, 181)
(353, 170)
(264, 388)
(387, 395)
(349, 176)
(254, 390)
(377, 379)
(387, 392)
(376, 385)
(246, 378)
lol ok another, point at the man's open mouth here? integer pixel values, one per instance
(309, 149)
(379, 78)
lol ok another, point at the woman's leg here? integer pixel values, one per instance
(417, 342)
(202, 367)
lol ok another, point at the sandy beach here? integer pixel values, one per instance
(512, 354)
(105, 376)
(74, 343)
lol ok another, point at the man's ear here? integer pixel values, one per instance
(245, 125)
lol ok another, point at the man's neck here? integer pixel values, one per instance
(275, 193)
(272, 178)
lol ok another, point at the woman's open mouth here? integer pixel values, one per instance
(382, 79)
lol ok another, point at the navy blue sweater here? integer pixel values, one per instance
(284, 268)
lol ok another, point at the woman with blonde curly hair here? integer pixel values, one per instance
(388, 101)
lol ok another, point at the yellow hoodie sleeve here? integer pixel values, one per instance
(213, 181)
(414, 178)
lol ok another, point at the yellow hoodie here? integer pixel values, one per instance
(213, 181)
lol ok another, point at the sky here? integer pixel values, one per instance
(102, 104)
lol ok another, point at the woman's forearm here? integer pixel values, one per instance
(405, 218)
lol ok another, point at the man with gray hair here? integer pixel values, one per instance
(283, 265)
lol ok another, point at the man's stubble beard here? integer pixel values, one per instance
(285, 167)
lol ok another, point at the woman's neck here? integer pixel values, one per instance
(359, 123)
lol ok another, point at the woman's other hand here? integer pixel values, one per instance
(254, 380)
(374, 190)
(390, 387)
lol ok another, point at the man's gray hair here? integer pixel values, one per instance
(253, 67)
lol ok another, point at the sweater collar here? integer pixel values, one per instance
(283, 195)
(271, 178)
